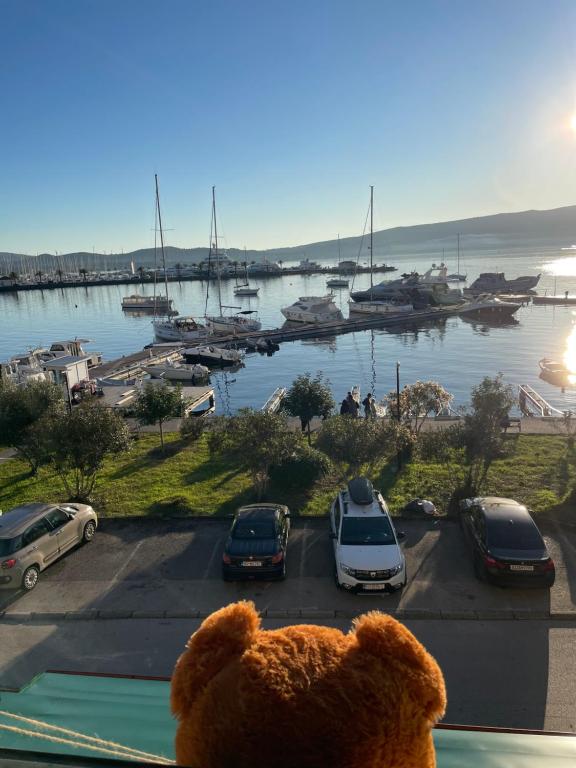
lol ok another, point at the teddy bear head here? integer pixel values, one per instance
(305, 696)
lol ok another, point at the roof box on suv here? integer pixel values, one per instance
(361, 491)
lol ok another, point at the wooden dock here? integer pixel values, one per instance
(131, 366)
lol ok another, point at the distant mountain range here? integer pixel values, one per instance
(546, 229)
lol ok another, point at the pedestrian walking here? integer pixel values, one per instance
(369, 406)
(353, 405)
(344, 409)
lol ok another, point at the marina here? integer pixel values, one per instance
(430, 343)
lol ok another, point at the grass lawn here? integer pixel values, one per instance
(539, 471)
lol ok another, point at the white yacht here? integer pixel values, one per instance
(72, 347)
(160, 304)
(488, 306)
(216, 357)
(180, 329)
(264, 269)
(177, 371)
(312, 309)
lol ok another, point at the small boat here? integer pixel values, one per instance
(313, 309)
(380, 308)
(489, 306)
(176, 371)
(455, 277)
(160, 304)
(272, 405)
(556, 373)
(245, 290)
(338, 282)
(216, 357)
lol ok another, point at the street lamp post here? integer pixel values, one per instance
(399, 452)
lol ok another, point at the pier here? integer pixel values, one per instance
(131, 366)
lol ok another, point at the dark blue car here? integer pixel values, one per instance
(257, 542)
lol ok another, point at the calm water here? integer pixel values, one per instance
(455, 352)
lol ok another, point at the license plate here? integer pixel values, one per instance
(521, 567)
(374, 586)
(248, 563)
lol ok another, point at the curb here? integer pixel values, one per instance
(317, 614)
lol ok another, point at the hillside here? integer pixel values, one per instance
(547, 229)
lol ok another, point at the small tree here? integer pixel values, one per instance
(308, 397)
(418, 402)
(491, 404)
(155, 404)
(353, 443)
(23, 414)
(253, 441)
(80, 441)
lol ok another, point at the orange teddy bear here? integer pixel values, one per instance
(305, 696)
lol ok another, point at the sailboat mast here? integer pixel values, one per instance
(216, 247)
(458, 262)
(371, 238)
(161, 234)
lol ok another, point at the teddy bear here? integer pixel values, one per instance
(305, 696)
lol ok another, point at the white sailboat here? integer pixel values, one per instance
(241, 321)
(245, 289)
(373, 306)
(178, 329)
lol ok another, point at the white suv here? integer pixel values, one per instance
(368, 556)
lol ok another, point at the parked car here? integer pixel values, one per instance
(257, 542)
(32, 536)
(505, 542)
(366, 546)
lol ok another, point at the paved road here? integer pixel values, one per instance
(150, 567)
(498, 673)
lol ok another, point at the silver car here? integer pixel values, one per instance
(32, 536)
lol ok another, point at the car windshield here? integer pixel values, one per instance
(366, 530)
(505, 534)
(254, 529)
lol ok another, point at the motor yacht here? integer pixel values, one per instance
(177, 371)
(312, 309)
(212, 356)
(495, 282)
(488, 306)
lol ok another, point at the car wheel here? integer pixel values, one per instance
(283, 572)
(226, 576)
(338, 585)
(30, 578)
(89, 531)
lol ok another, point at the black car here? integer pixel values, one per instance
(506, 544)
(256, 544)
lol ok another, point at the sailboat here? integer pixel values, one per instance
(178, 329)
(457, 277)
(226, 323)
(245, 289)
(338, 282)
(374, 306)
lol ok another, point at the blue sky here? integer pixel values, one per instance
(292, 109)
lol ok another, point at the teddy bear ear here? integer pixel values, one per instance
(384, 637)
(223, 636)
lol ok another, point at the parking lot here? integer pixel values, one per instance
(153, 568)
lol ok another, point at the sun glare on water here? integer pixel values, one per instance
(570, 355)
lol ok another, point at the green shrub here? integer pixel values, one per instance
(301, 470)
(192, 428)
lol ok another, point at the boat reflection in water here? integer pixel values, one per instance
(484, 325)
